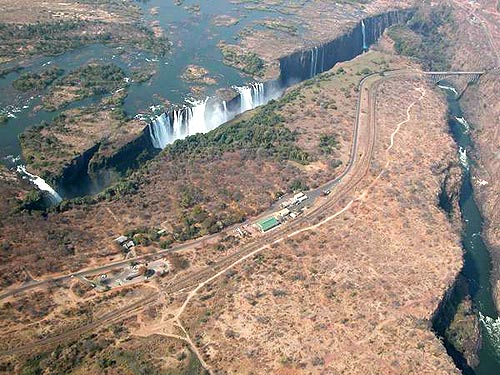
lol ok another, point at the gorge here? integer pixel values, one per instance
(86, 175)
(203, 116)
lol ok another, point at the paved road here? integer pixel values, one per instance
(356, 170)
(343, 184)
(312, 194)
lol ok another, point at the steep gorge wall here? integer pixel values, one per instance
(74, 179)
(84, 176)
(302, 65)
(96, 168)
(482, 109)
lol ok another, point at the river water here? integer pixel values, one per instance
(477, 260)
(194, 36)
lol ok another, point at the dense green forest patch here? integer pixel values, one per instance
(424, 37)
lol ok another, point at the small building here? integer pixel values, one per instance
(267, 224)
(128, 245)
(280, 215)
(299, 198)
(120, 240)
(285, 204)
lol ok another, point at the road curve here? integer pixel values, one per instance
(329, 185)
(357, 168)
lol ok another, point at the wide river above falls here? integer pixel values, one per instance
(194, 37)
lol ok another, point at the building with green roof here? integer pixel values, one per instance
(267, 224)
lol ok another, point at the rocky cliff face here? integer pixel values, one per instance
(481, 105)
(304, 64)
(101, 165)
(475, 49)
(456, 322)
(451, 175)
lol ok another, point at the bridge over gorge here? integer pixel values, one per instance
(460, 79)
(471, 77)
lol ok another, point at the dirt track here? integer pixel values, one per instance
(359, 165)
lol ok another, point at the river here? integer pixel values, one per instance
(477, 259)
(194, 37)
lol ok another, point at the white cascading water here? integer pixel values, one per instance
(201, 117)
(41, 184)
(464, 123)
(158, 131)
(492, 327)
(251, 96)
(193, 119)
(186, 121)
(363, 31)
(462, 156)
(314, 61)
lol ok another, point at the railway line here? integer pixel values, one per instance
(189, 245)
(356, 170)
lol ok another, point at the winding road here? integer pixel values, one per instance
(362, 150)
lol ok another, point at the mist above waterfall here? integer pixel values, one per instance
(201, 116)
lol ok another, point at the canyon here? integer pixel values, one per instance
(373, 283)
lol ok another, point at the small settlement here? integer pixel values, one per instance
(281, 216)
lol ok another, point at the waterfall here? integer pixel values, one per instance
(41, 184)
(314, 61)
(363, 31)
(158, 130)
(184, 122)
(251, 96)
(194, 120)
(322, 59)
(201, 116)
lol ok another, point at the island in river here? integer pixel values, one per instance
(352, 289)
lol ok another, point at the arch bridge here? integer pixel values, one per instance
(460, 79)
(470, 77)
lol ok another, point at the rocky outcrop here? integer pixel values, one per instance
(455, 321)
(451, 174)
